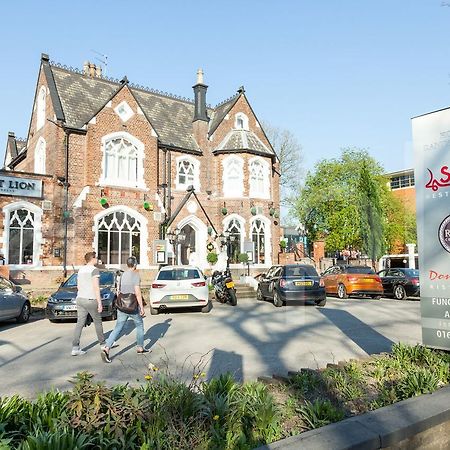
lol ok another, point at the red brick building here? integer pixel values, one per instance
(115, 160)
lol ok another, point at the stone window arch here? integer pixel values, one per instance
(188, 173)
(123, 161)
(40, 108)
(259, 178)
(235, 226)
(233, 176)
(22, 233)
(40, 153)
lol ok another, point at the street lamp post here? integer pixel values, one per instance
(175, 236)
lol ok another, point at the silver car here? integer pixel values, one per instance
(14, 304)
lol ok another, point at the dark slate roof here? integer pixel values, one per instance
(243, 140)
(219, 112)
(81, 96)
(20, 145)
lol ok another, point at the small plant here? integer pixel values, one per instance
(243, 258)
(305, 381)
(319, 413)
(283, 245)
(417, 382)
(212, 258)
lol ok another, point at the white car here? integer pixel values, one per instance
(179, 287)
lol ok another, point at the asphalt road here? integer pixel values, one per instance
(249, 340)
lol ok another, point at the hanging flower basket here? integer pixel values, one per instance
(224, 211)
(148, 206)
(253, 211)
(276, 214)
(104, 202)
(272, 211)
(210, 230)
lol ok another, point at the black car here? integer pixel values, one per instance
(292, 284)
(400, 282)
(61, 305)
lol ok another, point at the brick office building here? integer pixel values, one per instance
(110, 161)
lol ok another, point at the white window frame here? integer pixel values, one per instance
(241, 220)
(241, 117)
(127, 114)
(254, 191)
(114, 180)
(233, 188)
(40, 108)
(40, 152)
(196, 165)
(144, 263)
(8, 211)
(267, 238)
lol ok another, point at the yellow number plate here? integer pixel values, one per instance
(230, 284)
(303, 283)
(179, 297)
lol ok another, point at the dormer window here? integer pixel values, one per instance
(241, 122)
(188, 173)
(40, 110)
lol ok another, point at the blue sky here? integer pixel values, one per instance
(336, 74)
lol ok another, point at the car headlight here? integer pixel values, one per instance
(52, 300)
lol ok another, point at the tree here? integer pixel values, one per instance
(289, 152)
(347, 202)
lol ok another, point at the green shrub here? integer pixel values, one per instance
(57, 440)
(417, 382)
(306, 381)
(319, 413)
(243, 258)
(212, 258)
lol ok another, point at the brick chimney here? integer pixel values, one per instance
(201, 119)
(91, 69)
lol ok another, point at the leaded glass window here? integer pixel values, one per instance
(21, 237)
(258, 180)
(119, 237)
(185, 173)
(258, 238)
(234, 229)
(121, 161)
(233, 178)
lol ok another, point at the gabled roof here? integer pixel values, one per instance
(219, 113)
(15, 147)
(244, 141)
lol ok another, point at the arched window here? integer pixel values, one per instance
(122, 161)
(259, 179)
(40, 156)
(40, 110)
(241, 121)
(235, 230)
(259, 240)
(119, 237)
(21, 237)
(187, 173)
(233, 177)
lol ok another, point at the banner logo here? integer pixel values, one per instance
(435, 183)
(444, 234)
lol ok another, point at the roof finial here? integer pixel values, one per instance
(241, 90)
(199, 76)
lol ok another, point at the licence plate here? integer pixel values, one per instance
(303, 283)
(230, 284)
(70, 307)
(179, 297)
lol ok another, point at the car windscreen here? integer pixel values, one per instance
(106, 279)
(292, 271)
(360, 269)
(178, 274)
(412, 272)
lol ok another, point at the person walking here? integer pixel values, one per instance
(129, 284)
(89, 302)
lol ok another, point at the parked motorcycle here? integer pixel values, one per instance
(224, 287)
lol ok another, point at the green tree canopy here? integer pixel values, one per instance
(347, 202)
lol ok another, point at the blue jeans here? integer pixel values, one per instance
(121, 320)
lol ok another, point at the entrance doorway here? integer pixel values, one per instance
(187, 246)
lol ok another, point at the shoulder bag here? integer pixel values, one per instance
(127, 303)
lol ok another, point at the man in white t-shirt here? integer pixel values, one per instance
(89, 301)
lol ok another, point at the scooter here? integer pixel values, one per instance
(224, 287)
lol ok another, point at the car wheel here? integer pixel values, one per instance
(321, 302)
(277, 300)
(25, 313)
(259, 295)
(207, 308)
(342, 292)
(399, 292)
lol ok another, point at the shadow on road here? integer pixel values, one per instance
(223, 361)
(360, 333)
